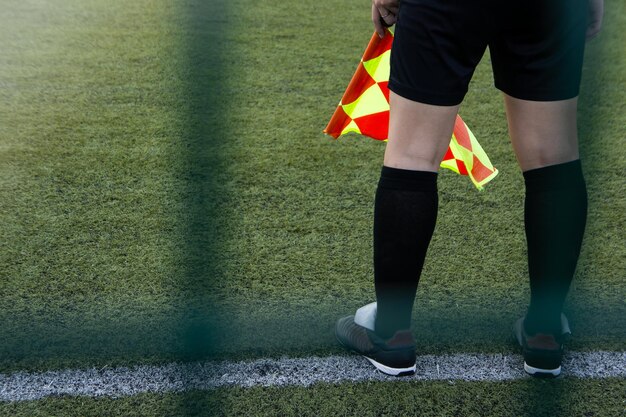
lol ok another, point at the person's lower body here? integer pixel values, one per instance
(428, 83)
(555, 211)
(405, 213)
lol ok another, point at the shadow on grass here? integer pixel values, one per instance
(302, 331)
(543, 397)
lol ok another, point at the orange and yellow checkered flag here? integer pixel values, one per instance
(364, 109)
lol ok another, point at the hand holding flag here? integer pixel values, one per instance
(364, 109)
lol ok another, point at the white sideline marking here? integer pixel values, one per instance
(176, 377)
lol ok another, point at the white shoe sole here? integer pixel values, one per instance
(392, 371)
(535, 371)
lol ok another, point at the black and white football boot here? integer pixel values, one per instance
(542, 352)
(394, 356)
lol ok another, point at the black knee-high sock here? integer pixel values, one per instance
(405, 213)
(555, 217)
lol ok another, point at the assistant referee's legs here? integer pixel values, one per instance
(544, 136)
(406, 204)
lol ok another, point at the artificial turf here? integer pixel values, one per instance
(524, 398)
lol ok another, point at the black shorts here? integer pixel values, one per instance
(536, 48)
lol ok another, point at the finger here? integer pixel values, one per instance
(387, 23)
(378, 26)
(388, 19)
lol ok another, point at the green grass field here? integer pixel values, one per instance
(438, 399)
(166, 194)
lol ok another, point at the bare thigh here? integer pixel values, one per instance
(419, 134)
(542, 132)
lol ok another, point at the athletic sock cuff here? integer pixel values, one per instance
(407, 180)
(555, 177)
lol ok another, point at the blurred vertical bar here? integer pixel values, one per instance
(204, 141)
(602, 128)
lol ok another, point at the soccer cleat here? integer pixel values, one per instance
(542, 352)
(395, 356)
